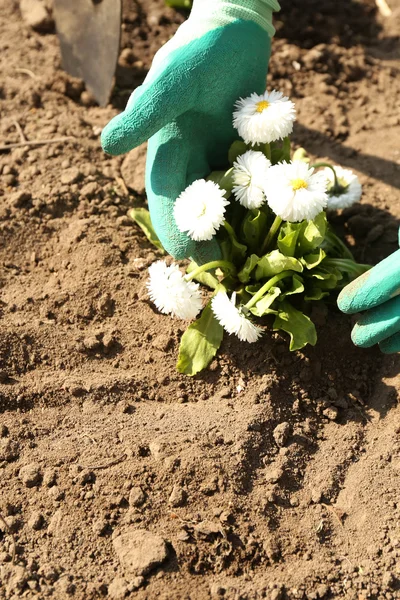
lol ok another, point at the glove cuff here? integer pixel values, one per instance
(223, 12)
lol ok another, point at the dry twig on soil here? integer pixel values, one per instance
(36, 143)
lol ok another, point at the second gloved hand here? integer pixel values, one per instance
(378, 293)
(185, 106)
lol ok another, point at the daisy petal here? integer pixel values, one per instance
(264, 119)
(171, 293)
(199, 211)
(294, 192)
(232, 319)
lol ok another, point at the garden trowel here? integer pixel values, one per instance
(89, 32)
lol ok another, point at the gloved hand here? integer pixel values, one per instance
(185, 106)
(378, 293)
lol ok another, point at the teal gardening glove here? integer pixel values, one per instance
(378, 293)
(185, 105)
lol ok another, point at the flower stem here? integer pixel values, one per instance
(215, 264)
(267, 286)
(229, 229)
(271, 234)
(336, 187)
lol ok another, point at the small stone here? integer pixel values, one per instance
(177, 497)
(36, 521)
(35, 14)
(90, 189)
(50, 477)
(282, 433)
(217, 591)
(117, 589)
(100, 527)
(127, 57)
(139, 551)
(331, 413)
(87, 99)
(31, 475)
(322, 590)
(135, 583)
(316, 496)
(276, 594)
(70, 176)
(158, 449)
(137, 497)
(56, 493)
(85, 477)
(208, 529)
(274, 475)
(91, 343)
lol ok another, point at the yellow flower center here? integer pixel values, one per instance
(298, 184)
(263, 105)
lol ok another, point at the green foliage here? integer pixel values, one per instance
(179, 3)
(200, 343)
(303, 263)
(141, 216)
(300, 327)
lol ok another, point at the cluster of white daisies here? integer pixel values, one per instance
(294, 191)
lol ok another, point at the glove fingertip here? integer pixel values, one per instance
(360, 336)
(391, 345)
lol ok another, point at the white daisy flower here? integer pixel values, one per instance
(264, 119)
(350, 188)
(249, 174)
(199, 210)
(233, 319)
(294, 192)
(171, 293)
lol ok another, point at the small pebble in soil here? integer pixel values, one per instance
(331, 413)
(31, 475)
(178, 497)
(36, 521)
(139, 551)
(136, 497)
(282, 433)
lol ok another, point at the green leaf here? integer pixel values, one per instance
(287, 238)
(205, 278)
(296, 287)
(224, 179)
(253, 288)
(275, 262)
(179, 3)
(141, 216)
(328, 277)
(253, 228)
(314, 259)
(263, 306)
(314, 294)
(312, 234)
(245, 274)
(300, 327)
(235, 252)
(237, 149)
(200, 343)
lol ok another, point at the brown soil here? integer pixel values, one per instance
(272, 475)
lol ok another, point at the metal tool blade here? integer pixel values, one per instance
(89, 32)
